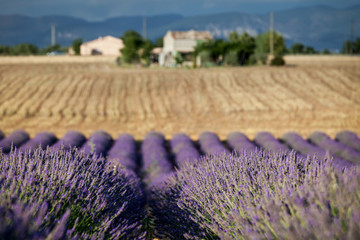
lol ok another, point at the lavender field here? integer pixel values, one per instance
(239, 188)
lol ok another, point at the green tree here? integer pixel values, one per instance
(346, 47)
(351, 47)
(309, 50)
(326, 51)
(52, 48)
(297, 48)
(216, 49)
(239, 49)
(133, 41)
(5, 50)
(24, 49)
(76, 45)
(262, 49)
(146, 49)
(159, 42)
(356, 46)
(233, 37)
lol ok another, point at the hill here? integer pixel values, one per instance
(319, 26)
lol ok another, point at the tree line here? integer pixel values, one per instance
(29, 49)
(237, 49)
(26, 49)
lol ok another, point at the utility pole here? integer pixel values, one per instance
(144, 27)
(52, 35)
(271, 33)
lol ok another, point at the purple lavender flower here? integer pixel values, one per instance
(41, 140)
(86, 198)
(155, 159)
(169, 221)
(349, 138)
(184, 149)
(21, 221)
(239, 142)
(71, 139)
(98, 143)
(337, 148)
(269, 195)
(210, 144)
(124, 152)
(269, 142)
(296, 142)
(15, 139)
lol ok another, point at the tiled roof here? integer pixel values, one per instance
(192, 34)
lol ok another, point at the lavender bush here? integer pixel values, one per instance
(71, 139)
(101, 203)
(156, 165)
(15, 139)
(269, 142)
(42, 140)
(271, 195)
(302, 146)
(239, 142)
(20, 221)
(183, 149)
(349, 138)
(343, 151)
(124, 152)
(210, 144)
(2, 135)
(98, 143)
(169, 221)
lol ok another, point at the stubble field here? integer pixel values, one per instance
(88, 94)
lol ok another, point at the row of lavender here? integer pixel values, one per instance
(345, 149)
(83, 196)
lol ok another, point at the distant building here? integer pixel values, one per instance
(106, 46)
(183, 44)
(154, 55)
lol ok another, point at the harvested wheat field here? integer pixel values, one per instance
(60, 94)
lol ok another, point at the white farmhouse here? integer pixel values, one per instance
(182, 43)
(107, 46)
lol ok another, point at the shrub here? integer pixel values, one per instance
(206, 58)
(97, 201)
(277, 61)
(337, 148)
(15, 139)
(210, 143)
(239, 142)
(349, 138)
(183, 149)
(270, 195)
(232, 58)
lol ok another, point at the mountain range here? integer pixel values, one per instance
(319, 26)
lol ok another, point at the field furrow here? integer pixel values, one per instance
(88, 96)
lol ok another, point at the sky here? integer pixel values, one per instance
(95, 10)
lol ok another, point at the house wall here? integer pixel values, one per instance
(169, 43)
(106, 47)
(185, 45)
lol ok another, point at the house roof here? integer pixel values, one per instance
(157, 50)
(192, 34)
(107, 38)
